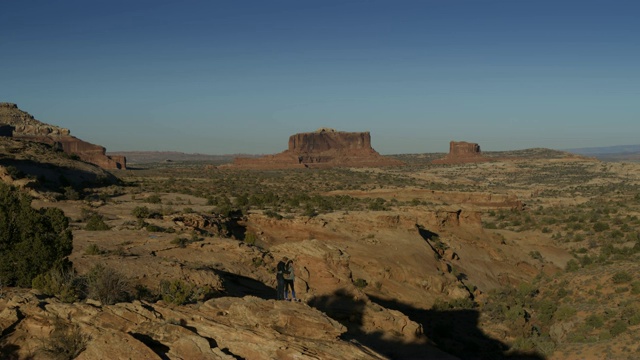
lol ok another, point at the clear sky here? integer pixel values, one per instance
(240, 76)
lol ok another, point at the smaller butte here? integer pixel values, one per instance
(461, 152)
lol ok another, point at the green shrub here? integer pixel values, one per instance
(594, 321)
(545, 310)
(154, 228)
(181, 242)
(536, 255)
(360, 283)
(564, 312)
(63, 284)
(621, 277)
(141, 212)
(65, 342)
(257, 261)
(377, 205)
(71, 194)
(154, 199)
(14, 172)
(618, 328)
(31, 241)
(600, 227)
(119, 251)
(489, 225)
(250, 238)
(273, 214)
(572, 265)
(562, 292)
(176, 292)
(463, 303)
(93, 249)
(96, 223)
(106, 285)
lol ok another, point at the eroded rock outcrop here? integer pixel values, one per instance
(323, 148)
(221, 328)
(462, 152)
(19, 124)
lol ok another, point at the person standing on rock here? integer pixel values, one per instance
(281, 268)
(289, 278)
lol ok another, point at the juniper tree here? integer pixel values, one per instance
(31, 241)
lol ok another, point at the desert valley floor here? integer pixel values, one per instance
(530, 254)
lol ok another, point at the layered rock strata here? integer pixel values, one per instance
(323, 148)
(19, 124)
(221, 328)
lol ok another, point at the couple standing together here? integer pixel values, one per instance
(285, 277)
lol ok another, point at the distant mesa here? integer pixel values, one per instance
(19, 124)
(461, 152)
(324, 147)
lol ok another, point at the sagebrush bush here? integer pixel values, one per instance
(564, 312)
(181, 242)
(93, 249)
(463, 303)
(594, 321)
(154, 199)
(106, 285)
(66, 341)
(621, 277)
(176, 292)
(95, 222)
(618, 327)
(31, 241)
(63, 284)
(250, 238)
(141, 212)
(360, 283)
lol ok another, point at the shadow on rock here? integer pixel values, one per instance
(449, 334)
(457, 332)
(238, 286)
(9, 352)
(56, 178)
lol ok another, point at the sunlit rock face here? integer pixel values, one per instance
(462, 152)
(323, 148)
(22, 125)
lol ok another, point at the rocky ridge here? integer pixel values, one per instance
(45, 173)
(19, 124)
(222, 328)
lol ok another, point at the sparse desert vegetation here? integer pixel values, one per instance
(515, 256)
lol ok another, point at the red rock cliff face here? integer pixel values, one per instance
(323, 148)
(23, 125)
(323, 140)
(462, 148)
(462, 152)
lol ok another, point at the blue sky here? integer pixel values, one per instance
(221, 77)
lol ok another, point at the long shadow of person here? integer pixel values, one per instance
(447, 334)
(238, 286)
